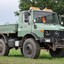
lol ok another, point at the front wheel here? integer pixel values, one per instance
(4, 49)
(56, 53)
(62, 54)
(31, 48)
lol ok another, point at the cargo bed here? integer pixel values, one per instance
(11, 28)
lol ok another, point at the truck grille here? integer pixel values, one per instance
(55, 34)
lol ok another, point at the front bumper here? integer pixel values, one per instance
(47, 40)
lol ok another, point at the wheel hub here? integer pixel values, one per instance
(29, 48)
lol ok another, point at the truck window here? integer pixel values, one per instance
(51, 17)
(41, 19)
(26, 16)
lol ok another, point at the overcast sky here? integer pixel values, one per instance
(7, 8)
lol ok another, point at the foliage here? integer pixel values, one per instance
(16, 13)
(55, 5)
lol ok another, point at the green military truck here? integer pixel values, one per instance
(31, 34)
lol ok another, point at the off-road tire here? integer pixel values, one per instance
(31, 48)
(62, 54)
(4, 49)
(57, 53)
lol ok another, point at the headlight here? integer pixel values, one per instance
(47, 33)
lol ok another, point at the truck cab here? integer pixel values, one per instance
(33, 21)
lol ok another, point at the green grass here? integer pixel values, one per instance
(15, 57)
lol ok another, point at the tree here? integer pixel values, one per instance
(55, 5)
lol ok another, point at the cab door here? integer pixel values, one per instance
(26, 24)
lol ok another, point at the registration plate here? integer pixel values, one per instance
(47, 40)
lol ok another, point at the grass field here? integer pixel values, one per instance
(15, 57)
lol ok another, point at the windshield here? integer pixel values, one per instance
(48, 17)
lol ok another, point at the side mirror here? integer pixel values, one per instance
(26, 20)
(29, 12)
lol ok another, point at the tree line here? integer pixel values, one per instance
(56, 5)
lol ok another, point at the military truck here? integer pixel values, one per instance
(35, 30)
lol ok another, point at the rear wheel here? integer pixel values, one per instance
(31, 48)
(4, 49)
(57, 53)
